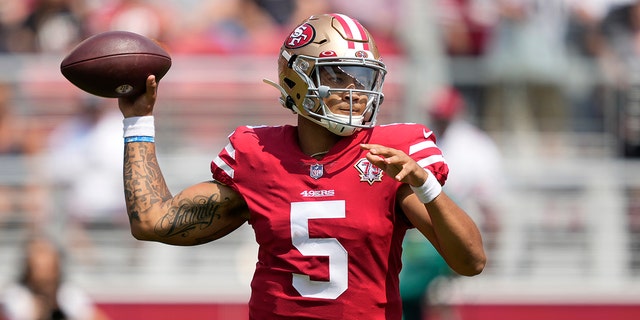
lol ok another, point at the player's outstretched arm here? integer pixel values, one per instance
(441, 220)
(201, 213)
(198, 214)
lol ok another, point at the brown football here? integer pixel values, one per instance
(115, 64)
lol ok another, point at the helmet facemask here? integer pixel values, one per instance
(351, 77)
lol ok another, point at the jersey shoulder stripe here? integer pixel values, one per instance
(418, 141)
(245, 140)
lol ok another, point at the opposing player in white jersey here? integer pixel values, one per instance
(329, 199)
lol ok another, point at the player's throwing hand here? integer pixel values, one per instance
(141, 105)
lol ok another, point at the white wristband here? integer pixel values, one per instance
(429, 190)
(139, 126)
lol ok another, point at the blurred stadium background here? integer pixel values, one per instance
(569, 242)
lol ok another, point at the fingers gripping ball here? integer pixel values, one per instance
(115, 64)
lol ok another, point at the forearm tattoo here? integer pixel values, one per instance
(188, 215)
(144, 184)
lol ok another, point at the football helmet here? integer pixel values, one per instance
(331, 54)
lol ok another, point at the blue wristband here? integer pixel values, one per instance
(139, 139)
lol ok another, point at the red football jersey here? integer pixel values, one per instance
(329, 231)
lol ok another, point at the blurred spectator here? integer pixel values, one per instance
(12, 13)
(476, 182)
(527, 67)
(52, 26)
(305, 9)
(281, 11)
(244, 26)
(21, 197)
(42, 292)
(466, 27)
(13, 139)
(621, 57)
(82, 156)
(586, 91)
(154, 19)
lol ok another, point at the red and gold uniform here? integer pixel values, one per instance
(328, 230)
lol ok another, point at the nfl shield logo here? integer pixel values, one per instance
(316, 171)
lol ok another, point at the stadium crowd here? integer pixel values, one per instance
(525, 46)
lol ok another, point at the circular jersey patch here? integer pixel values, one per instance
(301, 36)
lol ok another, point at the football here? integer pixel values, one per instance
(115, 64)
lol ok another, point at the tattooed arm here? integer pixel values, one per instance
(201, 213)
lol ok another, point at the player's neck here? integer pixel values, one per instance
(314, 140)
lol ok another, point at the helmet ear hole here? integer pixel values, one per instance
(290, 83)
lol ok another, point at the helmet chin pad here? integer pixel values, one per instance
(337, 123)
(318, 112)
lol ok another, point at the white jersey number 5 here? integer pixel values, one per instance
(301, 213)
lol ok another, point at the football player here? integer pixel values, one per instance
(329, 199)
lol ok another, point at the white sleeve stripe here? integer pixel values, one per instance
(421, 146)
(224, 166)
(230, 150)
(431, 160)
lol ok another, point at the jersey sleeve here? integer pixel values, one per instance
(224, 165)
(424, 150)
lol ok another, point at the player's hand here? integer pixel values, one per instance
(396, 163)
(141, 105)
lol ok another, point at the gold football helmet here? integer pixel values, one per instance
(340, 47)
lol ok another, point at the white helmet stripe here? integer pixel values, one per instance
(354, 30)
